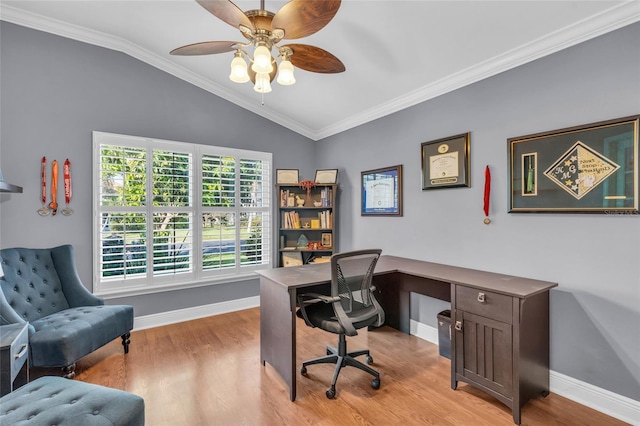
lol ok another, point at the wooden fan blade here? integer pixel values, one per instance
(204, 48)
(314, 59)
(301, 18)
(227, 11)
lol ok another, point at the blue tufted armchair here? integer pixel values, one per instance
(66, 321)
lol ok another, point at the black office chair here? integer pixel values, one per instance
(351, 306)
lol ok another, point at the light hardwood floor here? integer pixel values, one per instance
(208, 372)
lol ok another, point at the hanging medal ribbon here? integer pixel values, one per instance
(53, 205)
(43, 211)
(487, 192)
(66, 171)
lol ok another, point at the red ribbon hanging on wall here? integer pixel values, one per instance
(67, 181)
(487, 190)
(43, 181)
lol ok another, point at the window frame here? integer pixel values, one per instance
(148, 283)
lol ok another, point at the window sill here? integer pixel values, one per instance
(141, 290)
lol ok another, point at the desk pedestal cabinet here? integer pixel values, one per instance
(14, 351)
(501, 344)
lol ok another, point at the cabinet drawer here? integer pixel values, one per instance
(485, 303)
(19, 352)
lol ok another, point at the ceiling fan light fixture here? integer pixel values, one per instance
(262, 59)
(285, 73)
(239, 72)
(263, 83)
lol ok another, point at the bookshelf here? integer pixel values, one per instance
(306, 225)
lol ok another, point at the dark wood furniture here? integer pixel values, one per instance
(511, 304)
(14, 355)
(311, 216)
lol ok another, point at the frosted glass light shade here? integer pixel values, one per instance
(285, 73)
(262, 60)
(263, 83)
(239, 72)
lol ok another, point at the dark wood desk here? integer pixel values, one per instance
(501, 320)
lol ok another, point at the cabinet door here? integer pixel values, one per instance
(484, 352)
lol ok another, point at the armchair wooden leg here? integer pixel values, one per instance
(69, 371)
(126, 341)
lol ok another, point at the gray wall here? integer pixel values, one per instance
(56, 91)
(595, 311)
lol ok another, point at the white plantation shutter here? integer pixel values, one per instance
(148, 196)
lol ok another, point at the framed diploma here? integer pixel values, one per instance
(382, 192)
(287, 176)
(327, 176)
(445, 162)
(592, 168)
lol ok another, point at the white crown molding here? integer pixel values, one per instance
(97, 38)
(614, 18)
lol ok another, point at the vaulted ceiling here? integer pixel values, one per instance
(396, 53)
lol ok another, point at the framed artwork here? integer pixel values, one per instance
(591, 168)
(327, 239)
(381, 192)
(445, 162)
(287, 176)
(326, 176)
(291, 258)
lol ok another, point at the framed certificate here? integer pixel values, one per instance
(327, 176)
(382, 192)
(445, 162)
(287, 176)
(291, 258)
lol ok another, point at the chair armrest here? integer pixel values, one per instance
(307, 299)
(74, 291)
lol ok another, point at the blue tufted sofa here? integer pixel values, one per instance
(55, 401)
(66, 321)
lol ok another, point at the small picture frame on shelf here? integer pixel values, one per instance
(327, 239)
(287, 176)
(291, 258)
(326, 176)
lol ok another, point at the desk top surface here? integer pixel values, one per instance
(306, 275)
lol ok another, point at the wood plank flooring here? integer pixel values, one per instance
(208, 372)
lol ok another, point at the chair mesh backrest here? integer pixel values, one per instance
(352, 275)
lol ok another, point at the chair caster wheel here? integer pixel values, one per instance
(331, 393)
(545, 393)
(375, 383)
(369, 359)
(303, 370)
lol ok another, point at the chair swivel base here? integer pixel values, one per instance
(341, 358)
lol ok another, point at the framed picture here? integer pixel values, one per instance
(326, 176)
(291, 258)
(381, 192)
(591, 168)
(327, 239)
(287, 176)
(445, 162)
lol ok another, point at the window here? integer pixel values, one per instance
(172, 214)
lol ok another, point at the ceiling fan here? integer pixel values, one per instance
(264, 30)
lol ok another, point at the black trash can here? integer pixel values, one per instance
(444, 333)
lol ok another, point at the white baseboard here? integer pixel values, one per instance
(188, 314)
(612, 404)
(607, 402)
